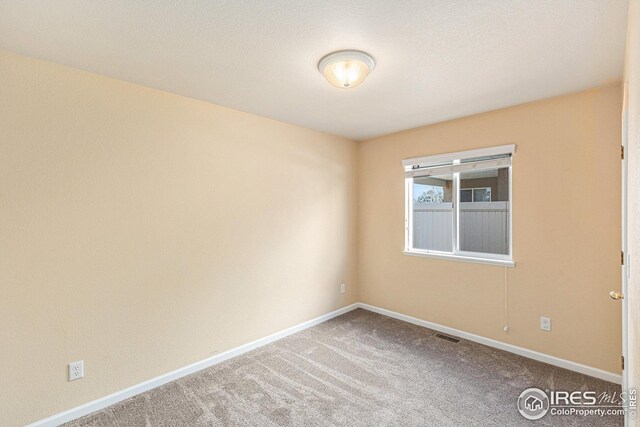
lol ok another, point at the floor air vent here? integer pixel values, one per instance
(448, 338)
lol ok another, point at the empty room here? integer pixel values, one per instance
(319, 213)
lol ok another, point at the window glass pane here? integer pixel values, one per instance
(433, 213)
(484, 227)
(466, 195)
(481, 194)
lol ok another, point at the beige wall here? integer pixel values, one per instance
(142, 231)
(566, 229)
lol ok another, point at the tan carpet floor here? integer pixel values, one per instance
(359, 369)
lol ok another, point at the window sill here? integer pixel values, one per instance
(452, 257)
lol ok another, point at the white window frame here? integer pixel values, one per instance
(452, 163)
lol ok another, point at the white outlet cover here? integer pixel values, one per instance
(343, 288)
(545, 323)
(76, 370)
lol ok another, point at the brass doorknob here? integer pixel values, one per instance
(616, 295)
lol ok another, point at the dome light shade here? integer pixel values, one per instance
(346, 68)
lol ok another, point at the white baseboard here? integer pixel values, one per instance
(103, 402)
(531, 354)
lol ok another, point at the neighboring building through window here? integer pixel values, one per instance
(475, 194)
(458, 205)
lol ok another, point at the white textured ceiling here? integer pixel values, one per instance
(436, 59)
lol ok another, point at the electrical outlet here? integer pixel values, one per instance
(76, 370)
(343, 288)
(545, 323)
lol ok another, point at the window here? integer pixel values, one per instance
(475, 194)
(458, 205)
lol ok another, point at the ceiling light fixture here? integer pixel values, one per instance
(346, 68)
